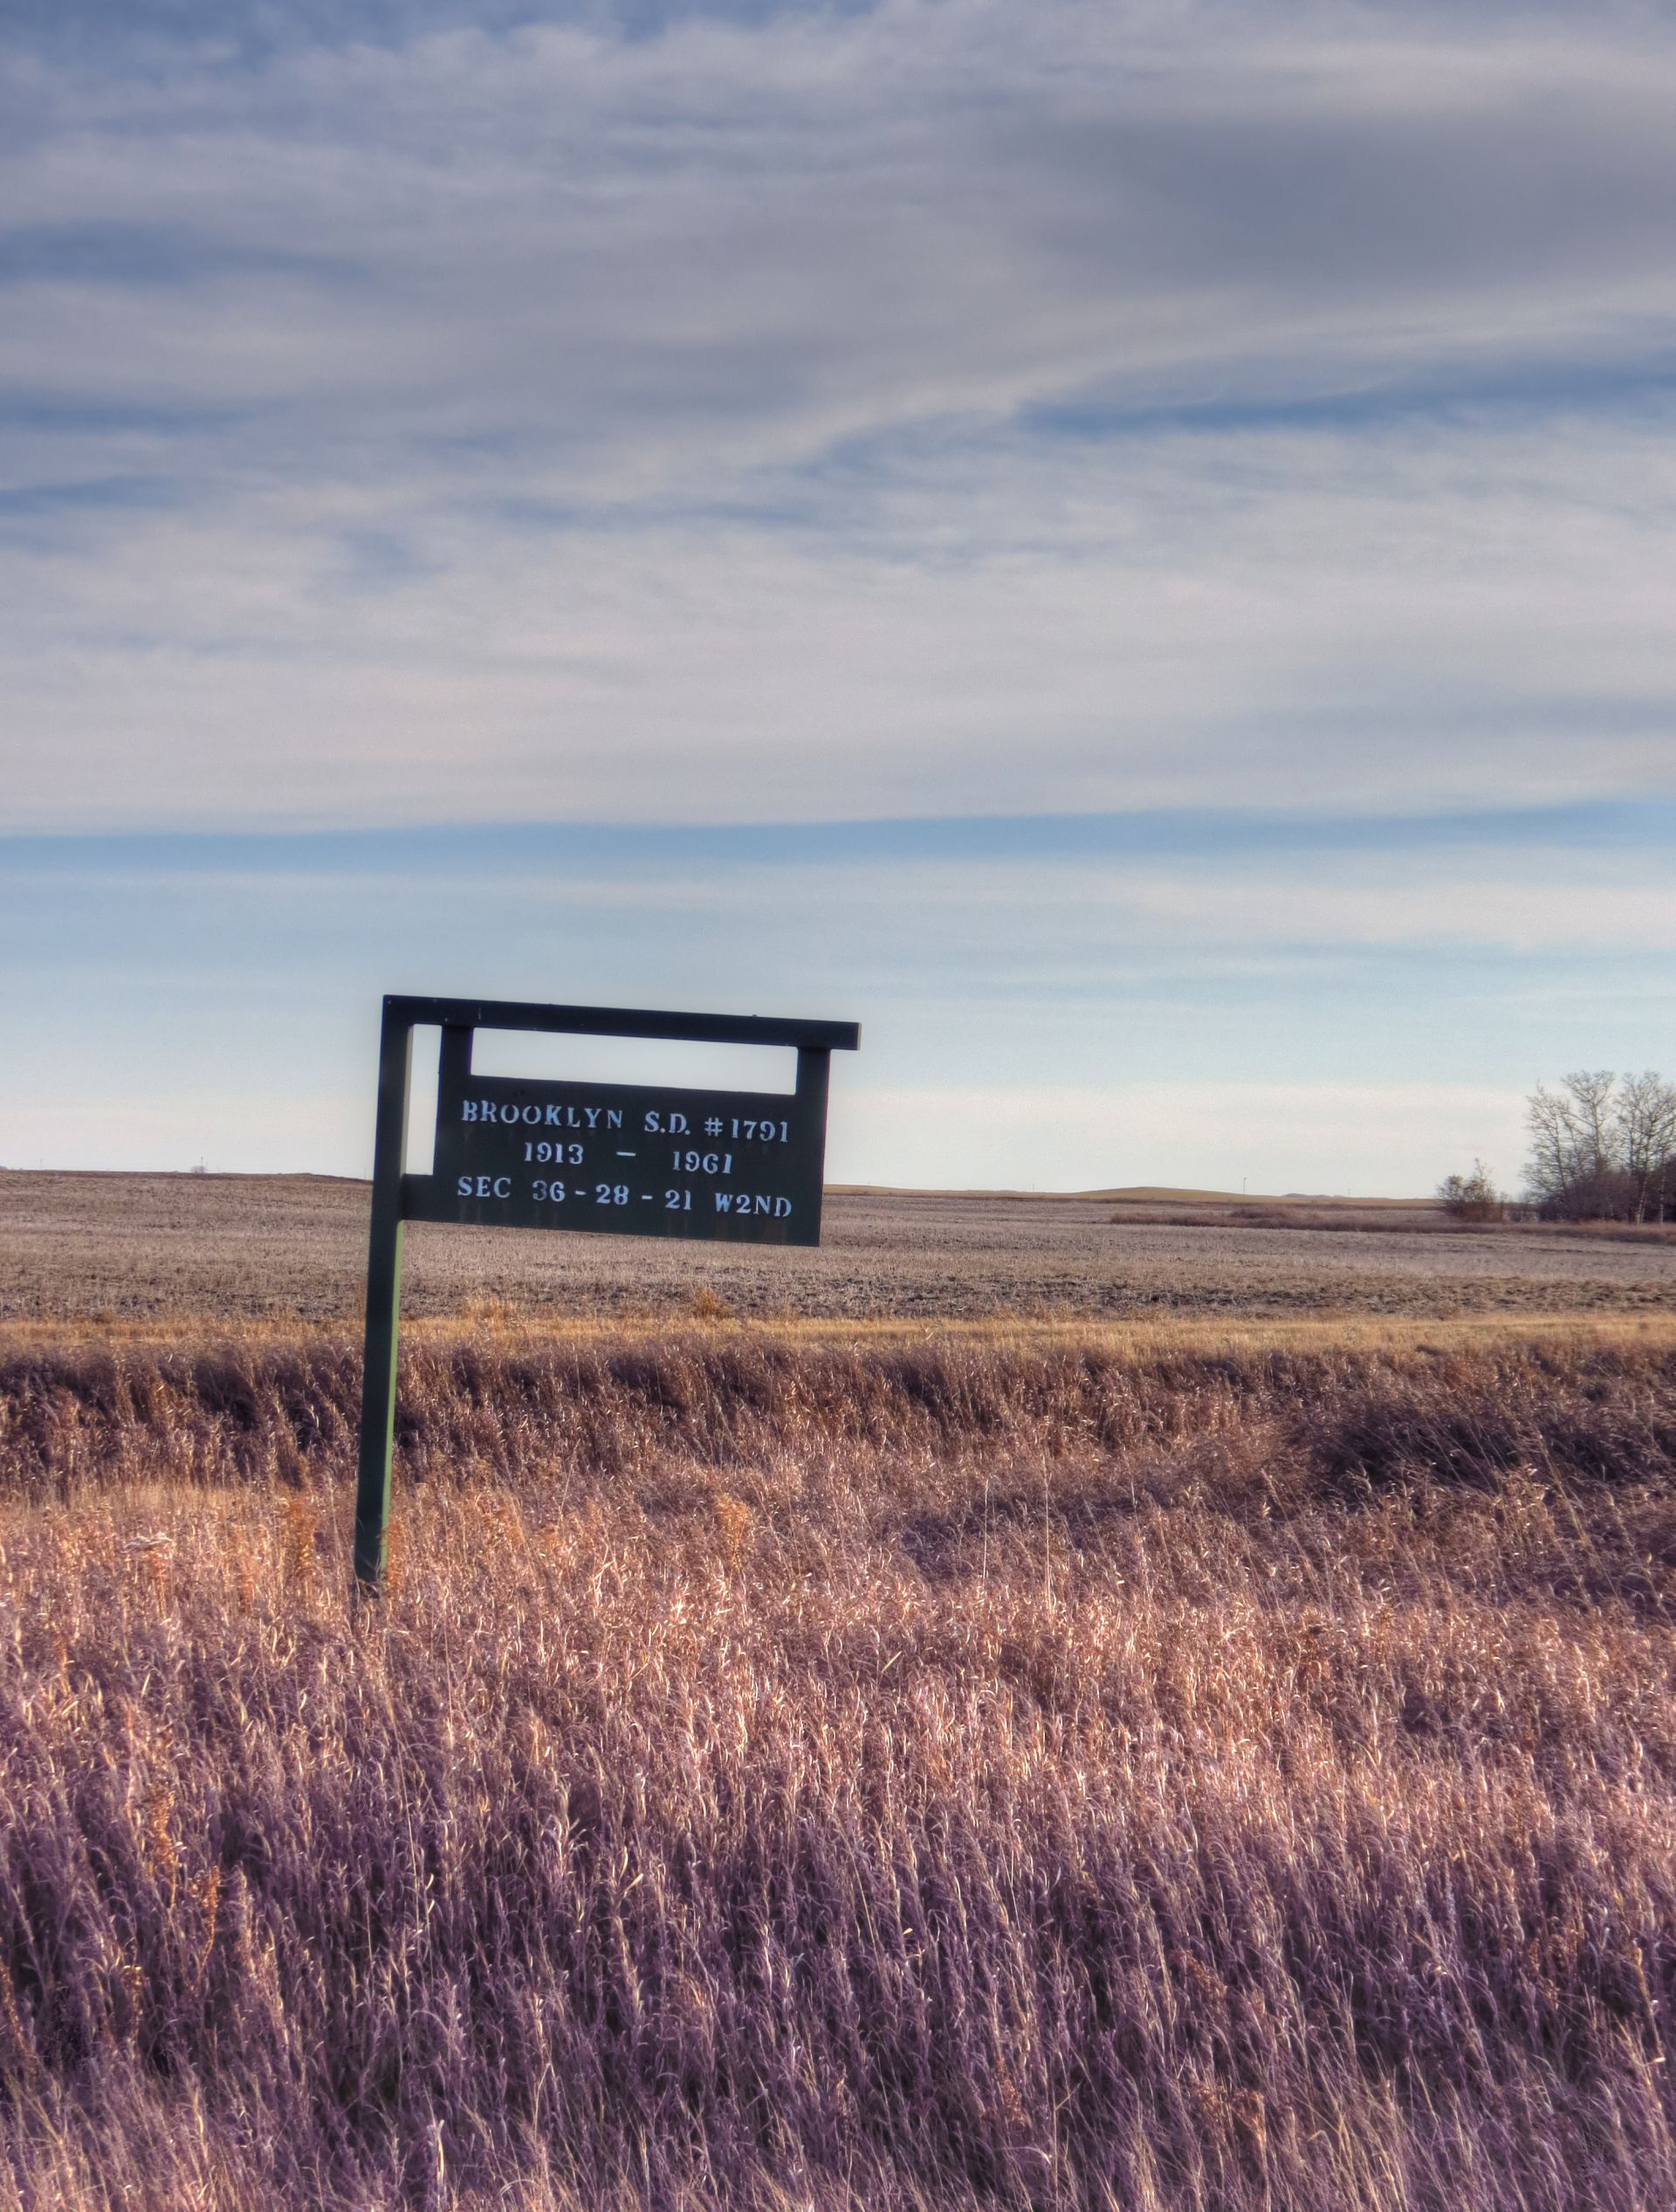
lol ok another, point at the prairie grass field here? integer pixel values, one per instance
(1197, 1761)
(787, 1771)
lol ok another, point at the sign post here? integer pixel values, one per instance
(634, 1159)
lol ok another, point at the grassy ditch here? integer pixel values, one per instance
(788, 1772)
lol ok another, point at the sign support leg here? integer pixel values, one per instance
(383, 1304)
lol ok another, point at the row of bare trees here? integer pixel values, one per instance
(1602, 1147)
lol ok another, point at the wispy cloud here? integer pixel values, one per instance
(800, 414)
(1125, 545)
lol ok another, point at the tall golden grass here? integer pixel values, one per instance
(790, 1773)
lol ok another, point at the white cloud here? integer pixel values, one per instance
(1271, 619)
(1394, 1139)
(551, 425)
(1536, 902)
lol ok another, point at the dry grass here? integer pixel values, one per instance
(793, 1771)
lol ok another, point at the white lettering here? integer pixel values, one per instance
(503, 1186)
(532, 1114)
(463, 1189)
(701, 1163)
(555, 1148)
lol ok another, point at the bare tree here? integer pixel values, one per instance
(1594, 1114)
(1644, 1129)
(1555, 1162)
(1600, 1147)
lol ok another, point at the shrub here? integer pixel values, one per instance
(1473, 1197)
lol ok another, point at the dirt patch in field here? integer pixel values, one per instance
(124, 1247)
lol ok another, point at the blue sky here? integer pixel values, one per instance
(1128, 547)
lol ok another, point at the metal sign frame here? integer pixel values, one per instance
(398, 1198)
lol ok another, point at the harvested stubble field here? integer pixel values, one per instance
(139, 1248)
(789, 1771)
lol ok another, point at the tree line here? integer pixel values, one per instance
(1603, 1148)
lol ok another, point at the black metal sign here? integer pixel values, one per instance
(635, 1159)
(631, 1159)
